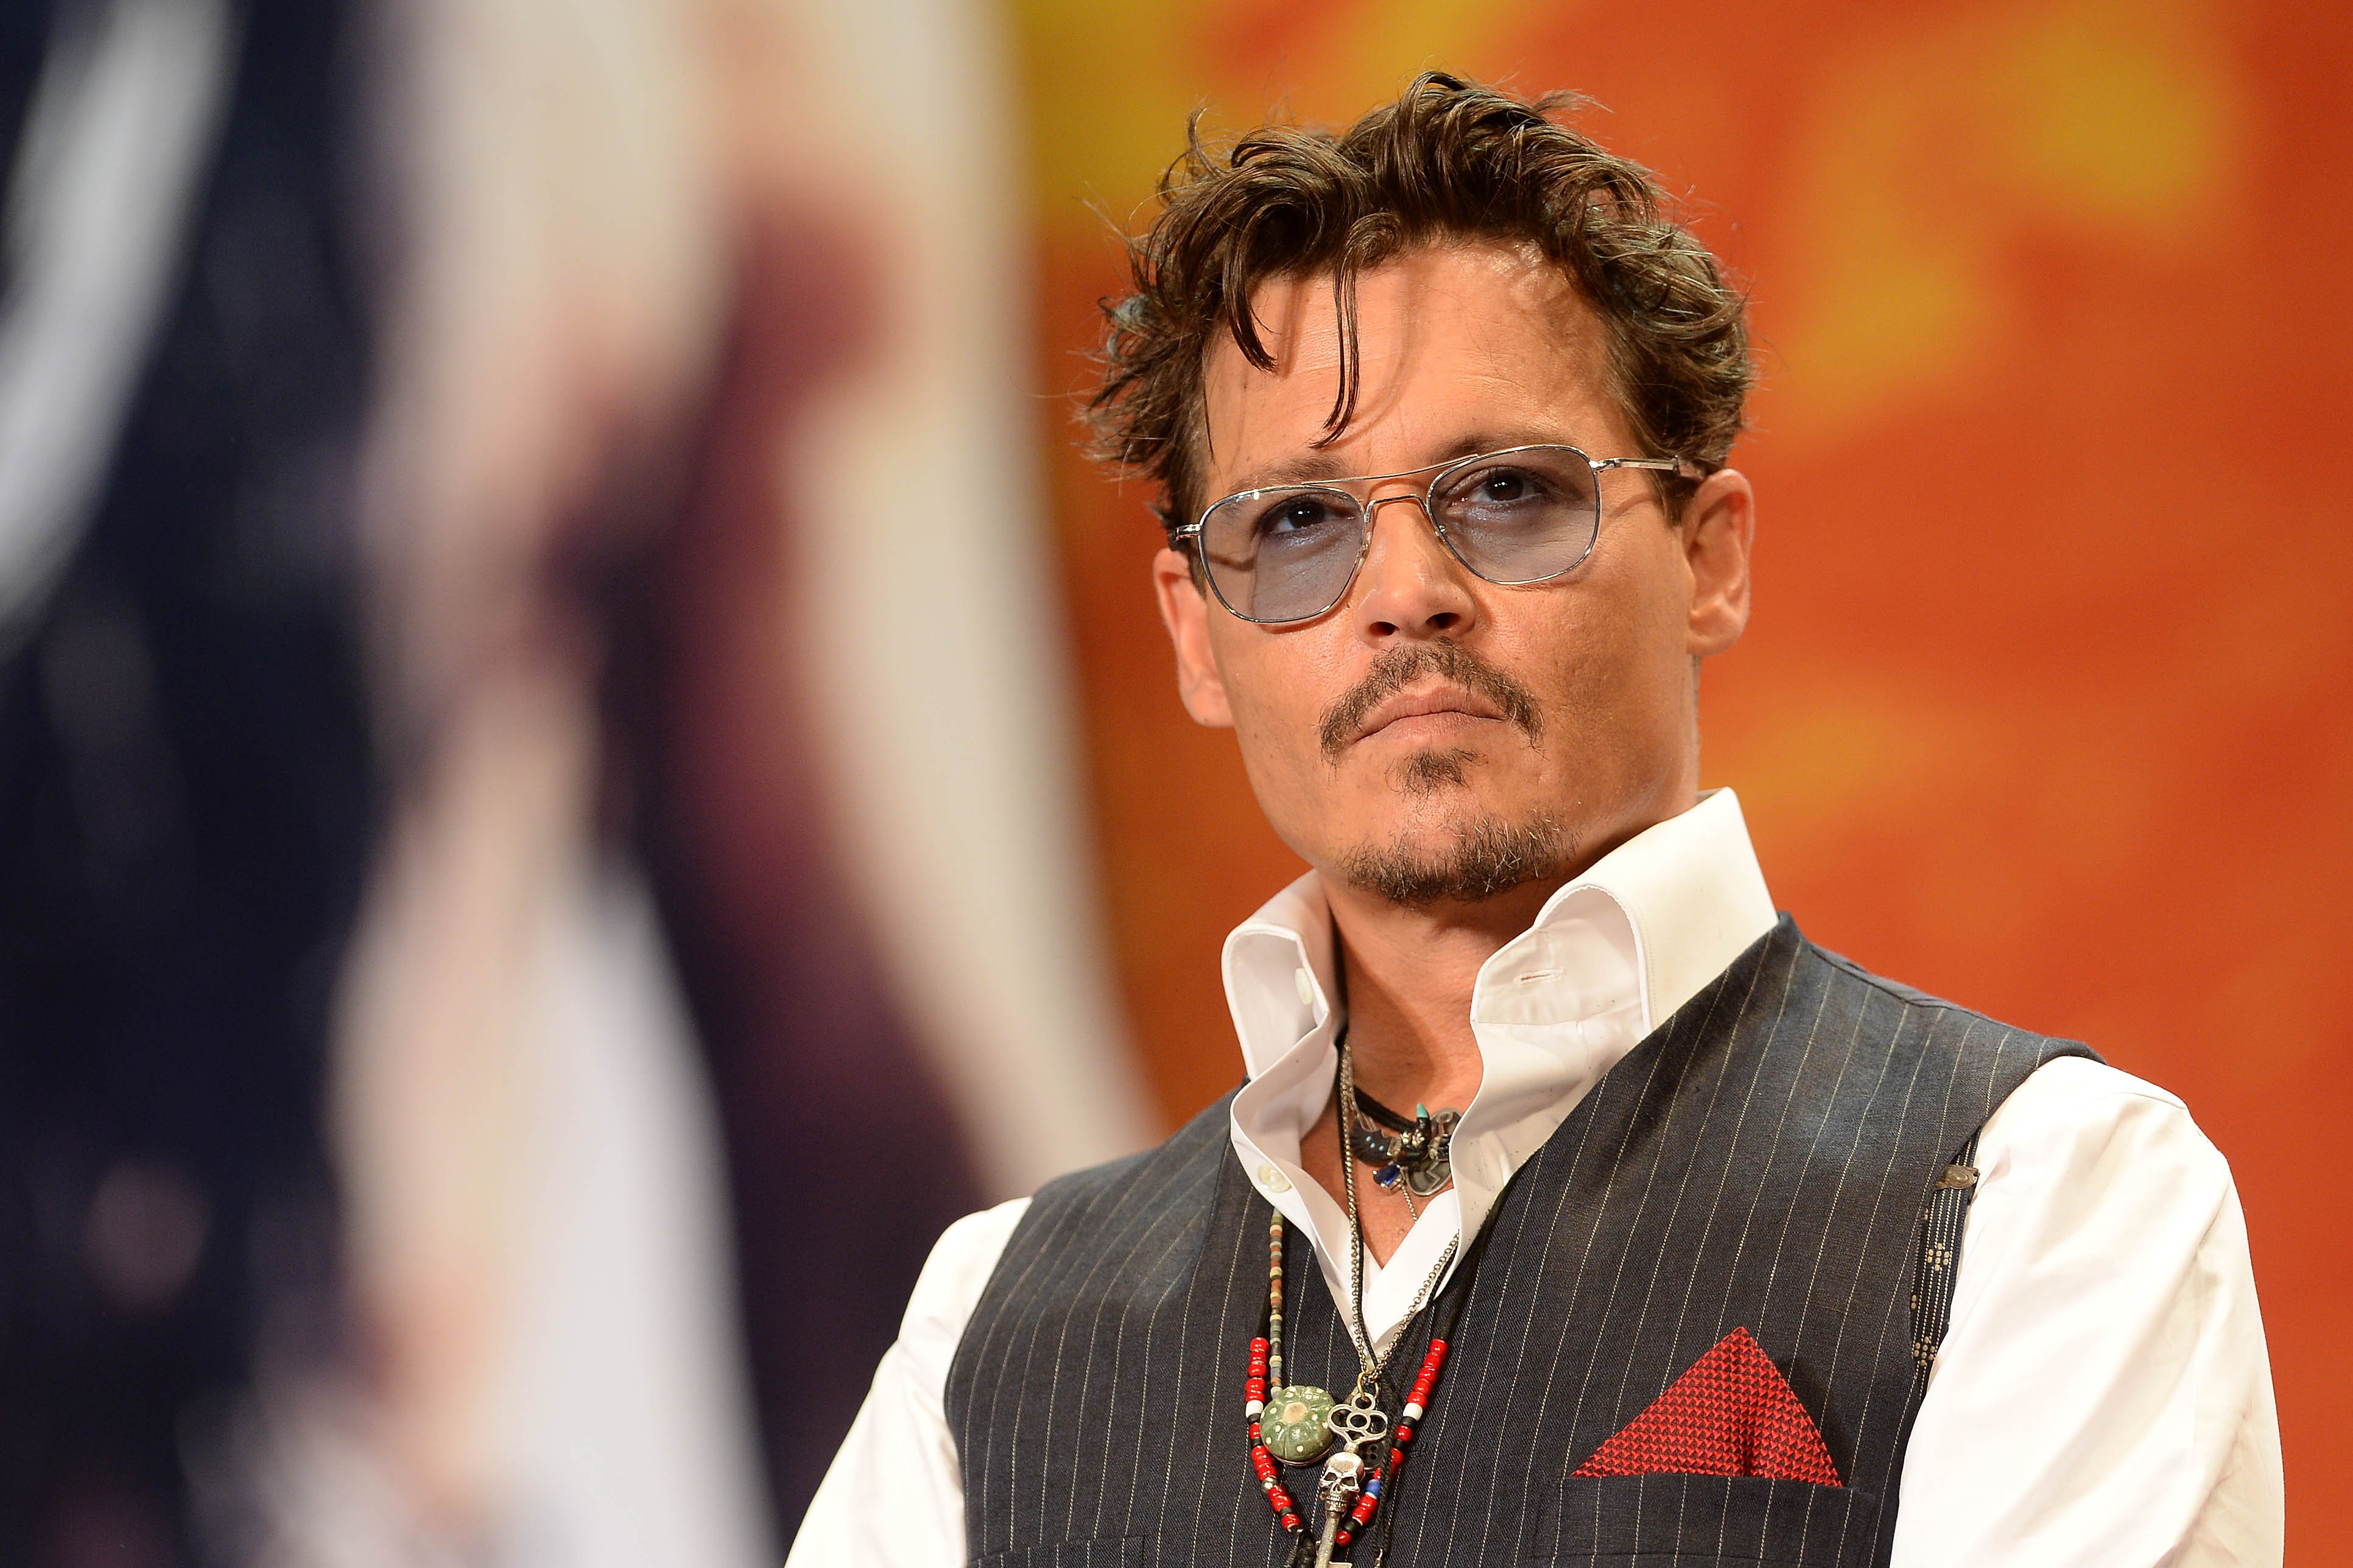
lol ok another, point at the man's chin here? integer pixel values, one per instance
(1469, 860)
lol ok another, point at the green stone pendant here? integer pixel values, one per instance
(1296, 1424)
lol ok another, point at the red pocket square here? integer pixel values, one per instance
(1732, 1414)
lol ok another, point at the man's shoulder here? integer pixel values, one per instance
(1111, 1209)
(1952, 1023)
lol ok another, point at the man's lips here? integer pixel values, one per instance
(1430, 688)
(1444, 699)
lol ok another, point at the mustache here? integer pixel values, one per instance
(1396, 669)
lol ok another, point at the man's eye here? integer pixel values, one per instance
(1504, 486)
(1297, 515)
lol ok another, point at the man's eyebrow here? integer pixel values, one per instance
(1321, 468)
(1306, 468)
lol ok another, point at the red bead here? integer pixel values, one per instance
(1291, 1522)
(1404, 1435)
(1283, 1503)
(1397, 1458)
(1363, 1512)
(1341, 1539)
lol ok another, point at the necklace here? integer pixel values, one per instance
(1299, 1423)
(1416, 1152)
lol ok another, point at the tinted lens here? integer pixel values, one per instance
(1282, 555)
(1520, 517)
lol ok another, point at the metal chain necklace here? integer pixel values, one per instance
(1298, 1423)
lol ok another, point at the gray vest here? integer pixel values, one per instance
(1763, 1161)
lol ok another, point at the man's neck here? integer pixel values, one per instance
(1407, 976)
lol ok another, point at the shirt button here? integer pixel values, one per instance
(1306, 985)
(1272, 1180)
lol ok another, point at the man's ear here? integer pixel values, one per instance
(1719, 525)
(1185, 610)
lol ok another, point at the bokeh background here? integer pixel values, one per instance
(583, 764)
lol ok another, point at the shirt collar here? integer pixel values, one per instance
(1666, 911)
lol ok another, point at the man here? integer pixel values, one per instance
(1440, 411)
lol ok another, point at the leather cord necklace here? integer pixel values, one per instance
(1414, 1157)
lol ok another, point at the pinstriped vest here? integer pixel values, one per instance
(1762, 1162)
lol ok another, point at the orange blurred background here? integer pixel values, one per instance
(518, 929)
(2045, 705)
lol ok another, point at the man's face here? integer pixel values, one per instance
(1436, 737)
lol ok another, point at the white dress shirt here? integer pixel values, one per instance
(2102, 1397)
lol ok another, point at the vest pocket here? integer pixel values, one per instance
(1127, 1552)
(1705, 1521)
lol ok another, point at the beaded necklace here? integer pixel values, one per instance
(1299, 1423)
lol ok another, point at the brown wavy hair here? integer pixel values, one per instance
(1448, 160)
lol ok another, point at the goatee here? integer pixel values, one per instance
(1484, 858)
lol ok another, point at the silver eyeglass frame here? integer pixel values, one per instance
(1195, 531)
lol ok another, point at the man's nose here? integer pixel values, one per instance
(1411, 585)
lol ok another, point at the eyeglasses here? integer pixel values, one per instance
(1525, 514)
